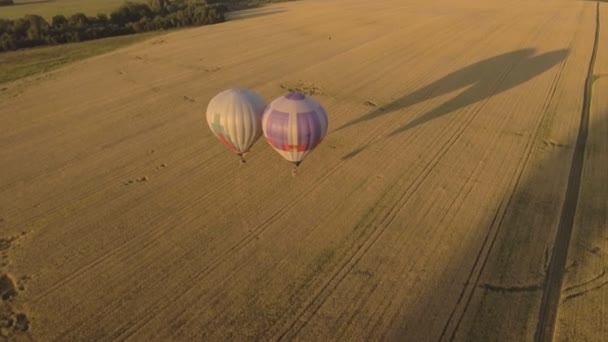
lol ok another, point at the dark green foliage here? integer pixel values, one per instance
(130, 12)
(158, 6)
(7, 42)
(234, 5)
(78, 21)
(37, 29)
(59, 22)
(33, 30)
(6, 3)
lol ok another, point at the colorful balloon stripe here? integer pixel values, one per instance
(309, 130)
(235, 118)
(278, 124)
(294, 125)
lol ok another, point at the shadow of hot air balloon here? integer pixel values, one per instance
(479, 81)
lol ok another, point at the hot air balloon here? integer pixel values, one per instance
(235, 117)
(294, 125)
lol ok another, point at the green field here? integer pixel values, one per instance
(27, 62)
(49, 8)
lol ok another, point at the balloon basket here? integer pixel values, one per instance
(294, 171)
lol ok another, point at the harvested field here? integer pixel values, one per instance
(429, 211)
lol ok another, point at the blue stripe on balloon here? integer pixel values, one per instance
(309, 130)
(277, 128)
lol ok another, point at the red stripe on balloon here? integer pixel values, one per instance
(227, 143)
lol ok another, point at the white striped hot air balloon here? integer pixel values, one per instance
(235, 117)
(294, 125)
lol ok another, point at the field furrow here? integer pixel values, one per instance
(582, 311)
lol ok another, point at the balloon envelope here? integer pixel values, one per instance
(294, 125)
(235, 117)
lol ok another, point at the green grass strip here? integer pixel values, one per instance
(22, 63)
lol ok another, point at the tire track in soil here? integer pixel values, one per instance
(499, 206)
(245, 241)
(361, 248)
(119, 177)
(237, 246)
(492, 234)
(125, 245)
(595, 283)
(376, 132)
(555, 273)
(224, 256)
(155, 232)
(342, 160)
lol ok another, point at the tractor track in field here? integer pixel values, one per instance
(140, 226)
(555, 273)
(452, 325)
(381, 221)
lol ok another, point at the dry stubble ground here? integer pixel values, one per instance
(583, 315)
(427, 212)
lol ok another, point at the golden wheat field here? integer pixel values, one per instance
(429, 212)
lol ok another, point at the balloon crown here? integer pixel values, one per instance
(295, 96)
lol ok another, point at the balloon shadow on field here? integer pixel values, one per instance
(480, 81)
(495, 293)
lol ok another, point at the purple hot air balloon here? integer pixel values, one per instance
(294, 125)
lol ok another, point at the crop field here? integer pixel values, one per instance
(49, 8)
(438, 206)
(583, 312)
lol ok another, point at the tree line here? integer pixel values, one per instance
(34, 30)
